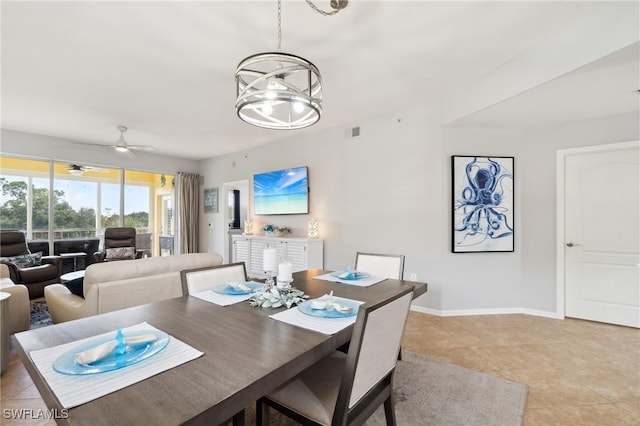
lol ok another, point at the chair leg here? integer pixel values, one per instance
(262, 413)
(238, 419)
(389, 411)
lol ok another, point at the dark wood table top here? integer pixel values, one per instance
(246, 354)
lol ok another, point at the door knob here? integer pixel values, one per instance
(570, 244)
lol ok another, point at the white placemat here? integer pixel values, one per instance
(72, 391)
(221, 299)
(321, 325)
(363, 282)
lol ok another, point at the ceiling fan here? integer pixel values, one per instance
(79, 170)
(124, 148)
(121, 146)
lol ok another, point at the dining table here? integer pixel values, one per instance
(246, 354)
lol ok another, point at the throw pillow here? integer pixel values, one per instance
(75, 286)
(121, 253)
(25, 260)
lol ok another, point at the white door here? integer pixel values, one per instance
(602, 249)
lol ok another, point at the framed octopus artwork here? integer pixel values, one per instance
(483, 201)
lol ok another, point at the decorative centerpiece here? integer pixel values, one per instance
(275, 298)
(275, 231)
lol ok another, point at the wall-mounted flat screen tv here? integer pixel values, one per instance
(281, 192)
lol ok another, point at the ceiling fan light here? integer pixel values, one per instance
(121, 149)
(76, 171)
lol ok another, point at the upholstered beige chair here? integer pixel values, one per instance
(202, 279)
(381, 265)
(19, 305)
(343, 388)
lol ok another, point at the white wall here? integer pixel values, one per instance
(64, 150)
(388, 190)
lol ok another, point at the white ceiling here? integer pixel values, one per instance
(78, 69)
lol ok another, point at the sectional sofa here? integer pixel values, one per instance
(122, 284)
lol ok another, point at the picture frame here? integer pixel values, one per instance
(482, 203)
(211, 200)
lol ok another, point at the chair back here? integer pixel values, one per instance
(13, 243)
(373, 353)
(381, 265)
(202, 279)
(119, 237)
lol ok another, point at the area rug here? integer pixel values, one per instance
(40, 316)
(430, 392)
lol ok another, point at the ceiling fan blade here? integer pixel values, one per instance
(141, 147)
(95, 169)
(126, 152)
(92, 144)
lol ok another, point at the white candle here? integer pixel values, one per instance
(285, 271)
(269, 259)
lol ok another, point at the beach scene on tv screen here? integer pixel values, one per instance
(281, 192)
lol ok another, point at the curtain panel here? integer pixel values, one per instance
(188, 200)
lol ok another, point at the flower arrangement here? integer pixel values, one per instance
(275, 230)
(275, 298)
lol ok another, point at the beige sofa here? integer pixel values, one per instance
(118, 285)
(19, 305)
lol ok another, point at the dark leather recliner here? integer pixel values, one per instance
(118, 238)
(35, 278)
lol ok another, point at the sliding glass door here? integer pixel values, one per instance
(24, 201)
(86, 200)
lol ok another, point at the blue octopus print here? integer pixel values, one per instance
(483, 205)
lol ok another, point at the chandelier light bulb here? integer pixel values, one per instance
(298, 107)
(267, 109)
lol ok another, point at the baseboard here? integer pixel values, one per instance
(496, 311)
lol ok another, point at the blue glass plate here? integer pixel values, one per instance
(227, 289)
(66, 363)
(355, 275)
(306, 308)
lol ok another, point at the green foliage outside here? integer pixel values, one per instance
(13, 212)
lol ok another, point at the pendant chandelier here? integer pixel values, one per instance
(277, 90)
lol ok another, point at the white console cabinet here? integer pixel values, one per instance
(303, 253)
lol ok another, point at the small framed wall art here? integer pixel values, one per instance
(482, 204)
(211, 200)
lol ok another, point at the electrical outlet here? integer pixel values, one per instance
(414, 277)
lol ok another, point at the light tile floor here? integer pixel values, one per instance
(578, 372)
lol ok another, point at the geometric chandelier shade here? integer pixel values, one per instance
(276, 90)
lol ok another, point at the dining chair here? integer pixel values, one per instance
(202, 279)
(381, 265)
(344, 388)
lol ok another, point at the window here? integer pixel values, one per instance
(86, 201)
(24, 200)
(74, 208)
